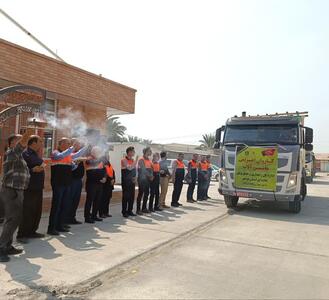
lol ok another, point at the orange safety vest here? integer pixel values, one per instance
(130, 163)
(194, 164)
(209, 165)
(109, 171)
(180, 164)
(147, 163)
(64, 161)
(156, 167)
(203, 166)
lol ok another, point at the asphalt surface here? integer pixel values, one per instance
(261, 251)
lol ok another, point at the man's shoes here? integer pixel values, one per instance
(36, 235)
(174, 204)
(158, 209)
(14, 251)
(145, 211)
(97, 219)
(190, 201)
(53, 232)
(151, 210)
(125, 215)
(62, 229)
(165, 206)
(108, 215)
(4, 256)
(180, 204)
(208, 197)
(138, 212)
(75, 222)
(103, 216)
(131, 214)
(22, 240)
(89, 221)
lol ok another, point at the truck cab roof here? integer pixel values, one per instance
(264, 120)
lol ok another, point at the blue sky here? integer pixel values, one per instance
(194, 63)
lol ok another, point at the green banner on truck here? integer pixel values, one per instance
(256, 168)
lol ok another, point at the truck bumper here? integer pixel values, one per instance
(263, 196)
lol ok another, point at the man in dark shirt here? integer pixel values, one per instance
(15, 180)
(33, 195)
(145, 177)
(76, 186)
(96, 177)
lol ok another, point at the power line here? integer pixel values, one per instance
(30, 35)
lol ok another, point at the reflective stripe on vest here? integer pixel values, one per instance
(147, 163)
(194, 164)
(156, 167)
(180, 164)
(64, 161)
(109, 171)
(204, 166)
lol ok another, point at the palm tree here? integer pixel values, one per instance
(115, 129)
(208, 141)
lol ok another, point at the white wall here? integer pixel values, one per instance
(118, 152)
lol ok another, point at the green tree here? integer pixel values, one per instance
(207, 141)
(136, 139)
(116, 131)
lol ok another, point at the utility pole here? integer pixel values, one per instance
(30, 35)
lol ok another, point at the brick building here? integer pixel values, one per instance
(65, 85)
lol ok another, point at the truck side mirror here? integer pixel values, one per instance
(308, 147)
(218, 134)
(308, 135)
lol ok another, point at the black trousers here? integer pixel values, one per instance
(32, 209)
(13, 207)
(59, 207)
(128, 197)
(143, 192)
(76, 188)
(202, 187)
(178, 185)
(191, 187)
(2, 211)
(94, 196)
(155, 193)
(104, 207)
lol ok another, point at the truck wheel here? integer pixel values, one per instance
(295, 206)
(231, 201)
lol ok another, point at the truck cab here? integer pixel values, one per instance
(263, 158)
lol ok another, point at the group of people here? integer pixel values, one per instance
(24, 175)
(153, 173)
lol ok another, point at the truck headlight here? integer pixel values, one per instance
(292, 181)
(223, 176)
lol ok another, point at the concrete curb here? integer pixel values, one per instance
(121, 269)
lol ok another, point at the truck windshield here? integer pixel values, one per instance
(261, 134)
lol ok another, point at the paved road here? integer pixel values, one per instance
(261, 251)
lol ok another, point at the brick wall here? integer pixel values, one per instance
(24, 66)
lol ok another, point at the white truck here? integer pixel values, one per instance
(263, 157)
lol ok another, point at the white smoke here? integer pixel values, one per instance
(72, 123)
